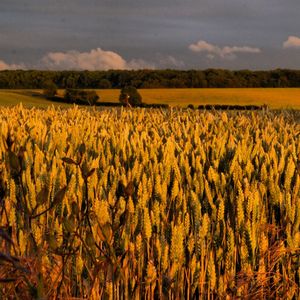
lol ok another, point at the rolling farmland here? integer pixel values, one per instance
(280, 98)
(149, 150)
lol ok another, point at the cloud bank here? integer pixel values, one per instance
(96, 59)
(6, 66)
(292, 42)
(227, 52)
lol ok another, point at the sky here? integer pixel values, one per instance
(152, 34)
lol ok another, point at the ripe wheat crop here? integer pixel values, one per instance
(150, 204)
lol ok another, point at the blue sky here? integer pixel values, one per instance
(128, 34)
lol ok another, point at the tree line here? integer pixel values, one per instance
(116, 79)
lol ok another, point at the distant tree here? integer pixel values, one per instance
(130, 96)
(50, 89)
(72, 95)
(81, 96)
(91, 97)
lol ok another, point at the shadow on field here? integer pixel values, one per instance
(59, 99)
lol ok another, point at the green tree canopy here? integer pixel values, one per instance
(130, 96)
(81, 96)
(50, 89)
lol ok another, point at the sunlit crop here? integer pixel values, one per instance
(152, 204)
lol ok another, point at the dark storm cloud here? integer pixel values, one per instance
(151, 31)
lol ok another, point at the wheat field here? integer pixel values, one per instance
(275, 98)
(149, 204)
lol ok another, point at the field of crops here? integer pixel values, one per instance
(151, 204)
(274, 98)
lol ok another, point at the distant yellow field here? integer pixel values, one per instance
(274, 98)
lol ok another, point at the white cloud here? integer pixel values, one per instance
(292, 42)
(96, 59)
(6, 66)
(228, 52)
